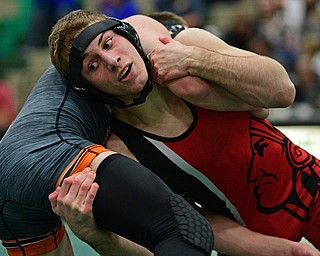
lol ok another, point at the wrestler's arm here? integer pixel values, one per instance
(256, 80)
(234, 239)
(194, 89)
(75, 204)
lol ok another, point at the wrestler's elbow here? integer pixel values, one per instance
(287, 95)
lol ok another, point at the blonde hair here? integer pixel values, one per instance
(64, 33)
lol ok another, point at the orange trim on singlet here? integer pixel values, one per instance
(40, 247)
(82, 160)
(45, 245)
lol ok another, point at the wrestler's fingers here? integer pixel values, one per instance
(86, 186)
(88, 203)
(165, 39)
(64, 188)
(77, 182)
(70, 186)
(85, 170)
(155, 73)
(53, 199)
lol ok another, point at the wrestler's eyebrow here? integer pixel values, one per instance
(99, 44)
(100, 39)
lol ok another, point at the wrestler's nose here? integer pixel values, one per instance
(110, 61)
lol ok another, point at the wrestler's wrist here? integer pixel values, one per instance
(103, 242)
(197, 62)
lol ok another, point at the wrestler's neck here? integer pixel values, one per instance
(162, 111)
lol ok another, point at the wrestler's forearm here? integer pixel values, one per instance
(109, 244)
(258, 80)
(203, 94)
(233, 239)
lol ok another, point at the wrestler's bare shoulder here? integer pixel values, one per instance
(148, 30)
(143, 22)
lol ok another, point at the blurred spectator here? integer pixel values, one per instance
(45, 15)
(311, 33)
(270, 24)
(119, 8)
(193, 11)
(310, 26)
(240, 33)
(315, 62)
(306, 80)
(8, 106)
(294, 13)
(260, 45)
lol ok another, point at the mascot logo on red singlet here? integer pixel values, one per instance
(283, 174)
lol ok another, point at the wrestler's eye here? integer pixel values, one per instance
(93, 65)
(107, 44)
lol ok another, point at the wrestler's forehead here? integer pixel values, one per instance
(99, 39)
(103, 35)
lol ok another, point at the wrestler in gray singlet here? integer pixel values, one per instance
(50, 133)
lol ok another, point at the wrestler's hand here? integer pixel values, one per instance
(170, 61)
(233, 239)
(301, 249)
(73, 202)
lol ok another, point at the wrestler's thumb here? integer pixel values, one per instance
(53, 199)
(53, 196)
(165, 39)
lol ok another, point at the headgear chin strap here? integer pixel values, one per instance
(81, 85)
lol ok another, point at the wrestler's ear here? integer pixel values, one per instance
(165, 39)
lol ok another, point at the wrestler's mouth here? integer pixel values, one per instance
(125, 72)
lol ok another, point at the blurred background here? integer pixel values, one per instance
(286, 30)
